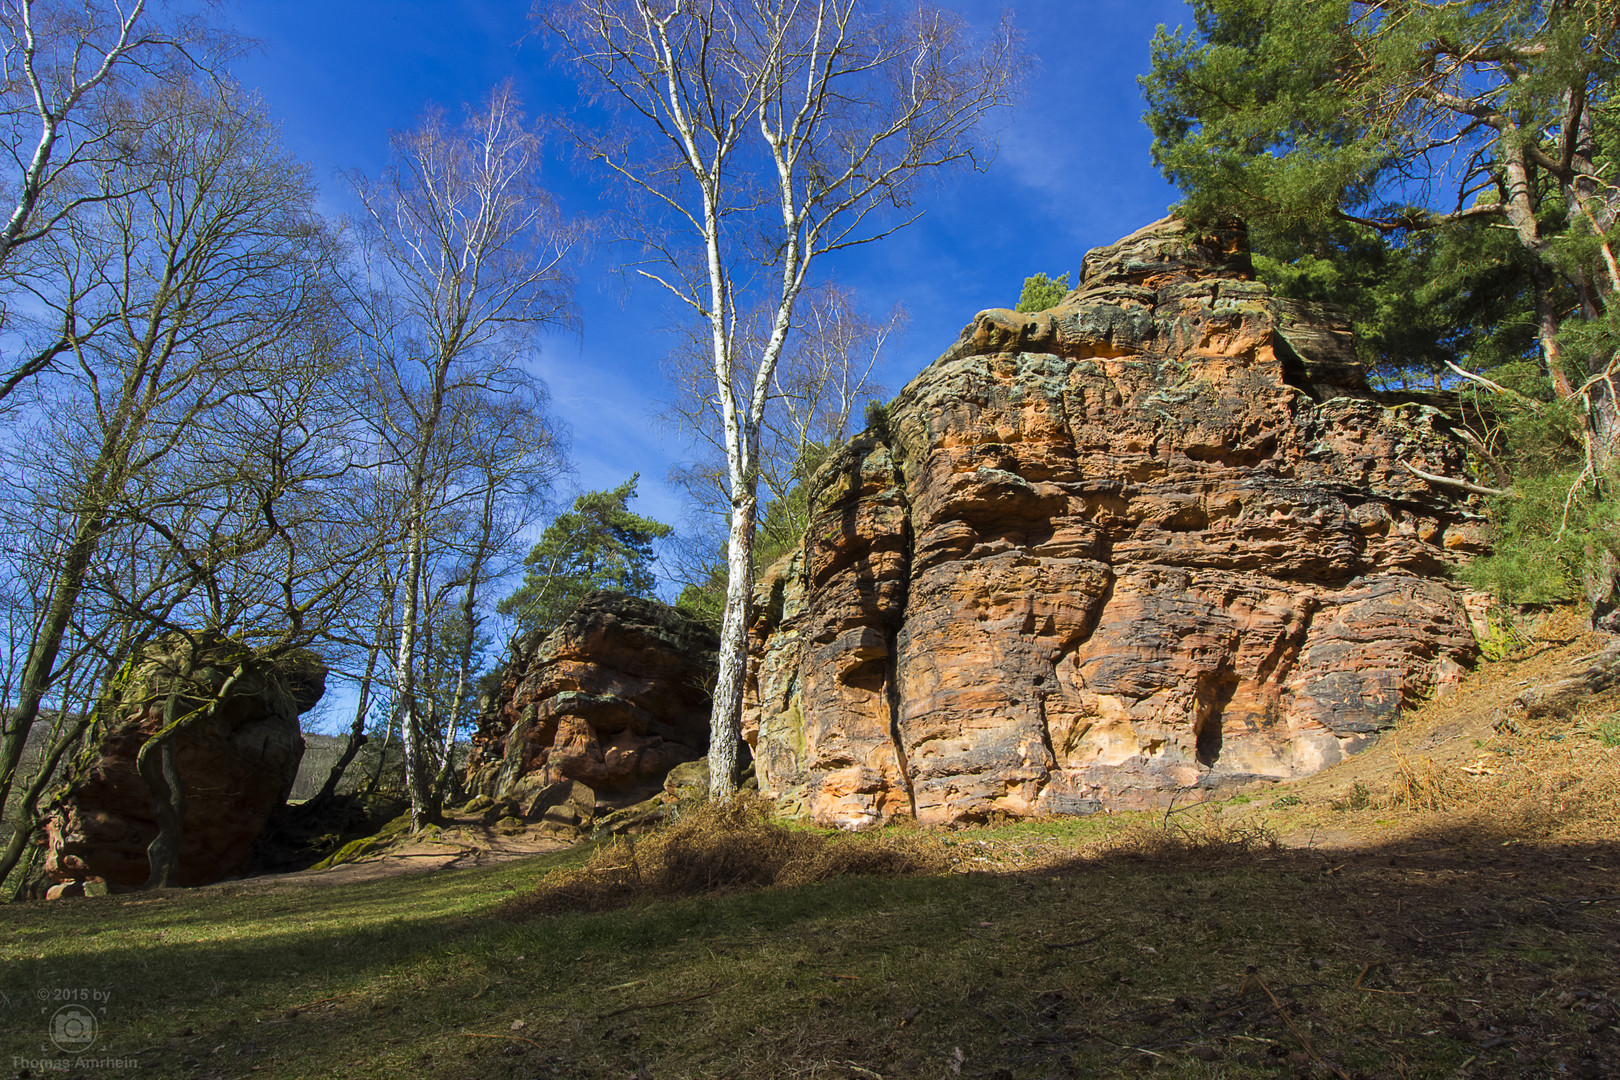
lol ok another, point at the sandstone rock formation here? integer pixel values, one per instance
(1154, 541)
(236, 765)
(611, 700)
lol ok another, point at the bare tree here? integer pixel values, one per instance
(467, 253)
(822, 380)
(68, 66)
(200, 273)
(766, 134)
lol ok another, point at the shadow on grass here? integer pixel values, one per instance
(1449, 953)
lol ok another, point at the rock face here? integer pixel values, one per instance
(609, 701)
(237, 767)
(1156, 540)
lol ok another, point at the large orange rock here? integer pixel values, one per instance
(1155, 541)
(237, 766)
(613, 699)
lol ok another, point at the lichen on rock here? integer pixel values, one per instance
(237, 764)
(1155, 541)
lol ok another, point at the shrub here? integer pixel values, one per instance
(1041, 292)
(721, 847)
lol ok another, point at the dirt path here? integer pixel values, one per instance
(461, 842)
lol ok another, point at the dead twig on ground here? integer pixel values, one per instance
(1297, 1033)
(671, 1001)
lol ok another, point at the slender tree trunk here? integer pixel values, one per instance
(20, 892)
(725, 727)
(39, 670)
(162, 776)
(469, 607)
(26, 821)
(382, 760)
(418, 783)
(357, 735)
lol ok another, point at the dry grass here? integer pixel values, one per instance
(1421, 785)
(1173, 841)
(1550, 778)
(720, 848)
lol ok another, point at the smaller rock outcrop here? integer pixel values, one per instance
(236, 764)
(597, 711)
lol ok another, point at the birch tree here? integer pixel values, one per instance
(823, 380)
(466, 255)
(761, 136)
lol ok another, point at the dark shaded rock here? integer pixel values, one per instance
(1158, 539)
(237, 766)
(613, 699)
(304, 834)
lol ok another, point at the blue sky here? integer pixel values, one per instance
(1073, 172)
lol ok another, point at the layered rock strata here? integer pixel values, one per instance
(236, 765)
(612, 699)
(1157, 540)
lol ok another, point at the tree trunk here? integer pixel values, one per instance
(26, 821)
(418, 780)
(162, 776)
(725, 725)
(357, 736)
(382, 760)
(38, 671)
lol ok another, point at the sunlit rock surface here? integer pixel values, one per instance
(1155, 541)
(613, 699)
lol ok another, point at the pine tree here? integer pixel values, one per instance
(599, 544)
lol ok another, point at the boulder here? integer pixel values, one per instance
(237, 766)
(1156, 541)
(610, 701)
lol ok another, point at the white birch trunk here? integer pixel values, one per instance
(416, 787)
(725, 725)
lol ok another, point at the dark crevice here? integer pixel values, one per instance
(1207, 731)
(895, 622)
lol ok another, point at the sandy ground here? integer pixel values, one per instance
(462, 842)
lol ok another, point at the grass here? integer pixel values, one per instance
(1176, 950)
(1462, 924)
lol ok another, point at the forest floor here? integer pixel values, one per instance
(1446, 904)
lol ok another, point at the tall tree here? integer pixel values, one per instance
(767, 134)
(1416, 117)
(201, 275)
(467, 255)
(599, 544)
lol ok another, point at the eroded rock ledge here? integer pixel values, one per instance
(1156, 540)
(611, 700)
